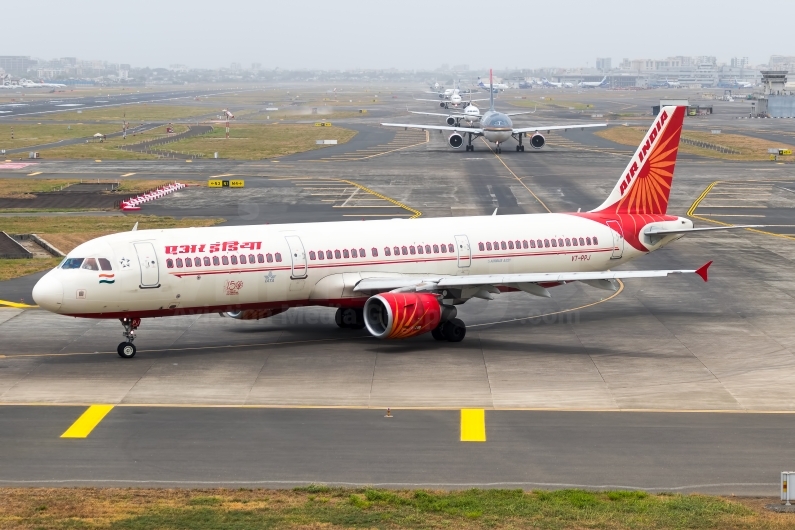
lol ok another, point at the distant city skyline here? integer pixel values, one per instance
(409, 35)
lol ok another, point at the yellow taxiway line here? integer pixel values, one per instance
(83, 426)
(16, 305)
(473, 425)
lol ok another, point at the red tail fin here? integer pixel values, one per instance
(645, 186)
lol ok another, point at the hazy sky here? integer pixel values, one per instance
(402, 34)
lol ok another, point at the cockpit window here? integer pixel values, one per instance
(105, 264)
(90, 264)
(72, 263)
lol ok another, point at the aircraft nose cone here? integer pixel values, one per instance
(48, 292)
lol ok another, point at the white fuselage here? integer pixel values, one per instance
(149, 275)
(497, 127)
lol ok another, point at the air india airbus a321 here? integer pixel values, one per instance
(398, 278)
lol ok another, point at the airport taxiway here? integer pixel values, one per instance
(671, 383)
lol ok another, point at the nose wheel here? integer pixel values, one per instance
(126, 350)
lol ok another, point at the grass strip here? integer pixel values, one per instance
(323, 507)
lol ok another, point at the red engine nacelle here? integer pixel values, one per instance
(401, 315)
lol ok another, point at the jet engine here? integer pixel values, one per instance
(254, 314)
(450, 120)
(456, 140)
(537, 141)
(401, 315)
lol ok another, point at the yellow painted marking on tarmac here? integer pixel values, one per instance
(473, 425)
(427, 139)
(35, 173)
(517, 178)
(416, 213)
(87, 421)
(16, 304)
(189, 161)
(378, 215)
(128, 174)
(224, 175)
(97, 160)
(697, 202)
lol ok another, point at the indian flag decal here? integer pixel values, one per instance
(107, 278)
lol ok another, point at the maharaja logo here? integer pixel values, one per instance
(107, 278)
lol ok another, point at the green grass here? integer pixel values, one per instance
(322, 507)
(255, 142)
(28, 135)
(14, 268)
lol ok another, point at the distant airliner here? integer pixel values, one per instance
(594, 84)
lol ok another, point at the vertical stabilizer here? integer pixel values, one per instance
(491, 90)
(645, 185)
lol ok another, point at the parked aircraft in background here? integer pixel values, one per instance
(551, 84)
(496, 127)
(672, 84)
(495, 87)
(594, 84)
(27, 83)
(397, 278)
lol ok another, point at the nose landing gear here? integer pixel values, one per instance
(127, 350)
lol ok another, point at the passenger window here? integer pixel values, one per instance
(260, 258)
(568, 242)
(251, 258)
(312, 255)
(587, 240)
(539, 243)
(337, 254)
(90, 264)
(524, 243)
(574, 241)
(419, 249)
(427, 249)
(354, 253)
(405, 251)
(362, 253)
(233, 259)
(278, 257)
(387, 252)
(329, 255)
(104, 264)
(269, 258)
(72, 263)
(412, 250)
(206, 261)
(532, 244)
(216, 261)
(481, 246)
(179, 263)
(188, 262)
(450, 248)
(375, 252)
(546, 243)
(595, 241)
(496, 245)
(443, 248)
(436, 249)
(225, 260)
(582, 242)
(503, 246)
(510, 245)
(488, 245)
(242, 259)
(345, 253)
(170, 263)
(396, 250)
(554, 243)
(320, 254)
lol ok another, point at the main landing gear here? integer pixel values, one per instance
(520, 147)
(127, 350)
(350, 318)
(454, 330)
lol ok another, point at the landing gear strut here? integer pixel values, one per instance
(454, 330)
(127, 350)
(520, 147)
(469, 146)
(498, 149)
(350, 318)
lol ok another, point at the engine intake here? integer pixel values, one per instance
(537, 141)
(450, 120)
(455, 140)
(254, 314)
(401, 315)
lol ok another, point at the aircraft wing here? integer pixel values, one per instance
(531, 282)
(473, 130)
(455, 115)
(540, 128)
(520, 113)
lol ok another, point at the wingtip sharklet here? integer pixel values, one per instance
(702, 271)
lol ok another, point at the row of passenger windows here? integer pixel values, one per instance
(539, 243)
(388, 251)
(242, 259)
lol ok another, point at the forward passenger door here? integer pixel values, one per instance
(464, 252)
